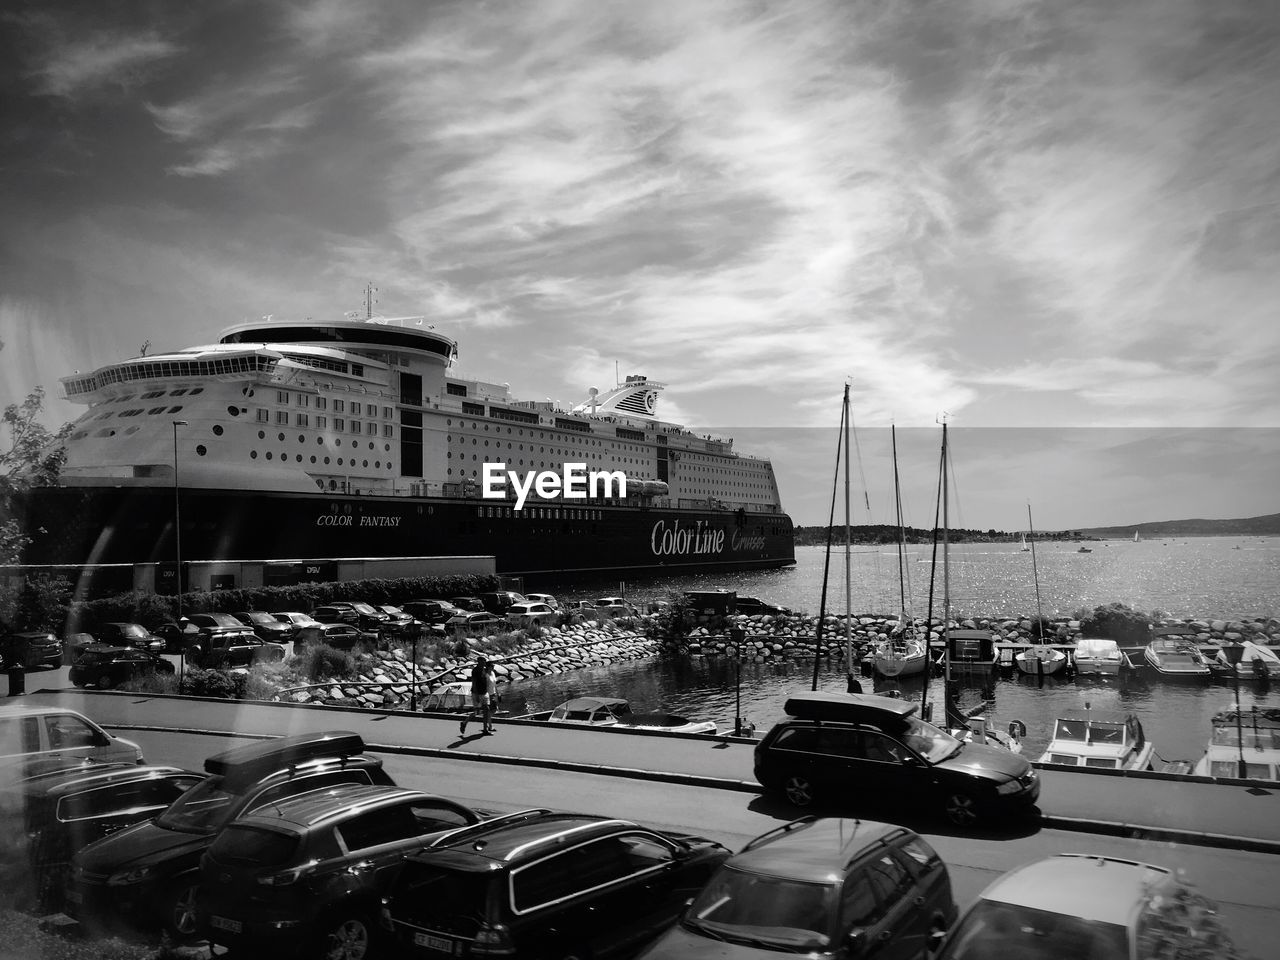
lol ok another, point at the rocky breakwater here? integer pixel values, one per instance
(383, 679)
(767, 637)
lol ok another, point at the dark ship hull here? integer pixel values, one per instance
(75, 526)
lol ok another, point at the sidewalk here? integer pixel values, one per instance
(1158, 807)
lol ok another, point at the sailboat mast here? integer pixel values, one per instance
(1036, 573)
(897, 497)
(946, 566)
(848, 550)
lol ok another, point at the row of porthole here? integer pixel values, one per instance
(284, 457)
(262, 435)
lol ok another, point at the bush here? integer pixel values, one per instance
(319, 662)
(154, 683)
(264, 679)
(1118, 622)
(222, 684)
(670, 625)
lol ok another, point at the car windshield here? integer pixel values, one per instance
(133, 631)
(388, 608)
(1005, 929)
(927, 740)
(202, 809)
(363, 608)
(261, 617)
(769, 911)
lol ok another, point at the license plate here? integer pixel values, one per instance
(222, 923)
(75, 896)
(433, 943)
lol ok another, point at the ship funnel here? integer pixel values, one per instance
(593, 392)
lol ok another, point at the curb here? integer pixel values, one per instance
(1130, 831)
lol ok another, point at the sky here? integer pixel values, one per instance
(1057, 222)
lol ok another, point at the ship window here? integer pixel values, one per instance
(386, 412)
(201, 450)
(282, 396)
(370, 409)
(339, 424)
(262, 435)
(268, 454)
(282, 417)
(304, 399)
(321, 403)
(152, 395)
(253, 454)
(217, 429)
(321, 423)
(154, 410)
(192, 393)
(333, 484)
(357, 369)
(339, 405)
(298, 457)
(340, 461)
(365, 463)
(300, 420)
(456, 389)
(263, 416)
(326, 460)
(355, 426)
(371, 428)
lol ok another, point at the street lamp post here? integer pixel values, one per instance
(413, 689)
(1234, 653)
(177, 547)
(737, 635)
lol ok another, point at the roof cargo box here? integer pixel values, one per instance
(259, 759)
(846, 707)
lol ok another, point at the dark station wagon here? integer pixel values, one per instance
(106, 666)
(59, 810)
(545, 885)
(851, 748)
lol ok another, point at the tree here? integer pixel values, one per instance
(33, 458)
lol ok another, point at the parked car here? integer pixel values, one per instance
(465, 604)
(29, 731)
(106, 666)
(56, 813)
(854, 747)
(296, 621)
(824, 888)
(468, 622)
(752, 606)
(614, 607)
(146, 875)
(129, 635)
(359, 615)
(530, 615)
(1082, 905)
(265, 626)
(497, 601)
(400, 621)
(234, 650)
(178, 636)
(74, 644)
(431, 611)
(546, 885)
(323, 860)
(342, 636)
(546, 598)
(31, 648)
(580, 605)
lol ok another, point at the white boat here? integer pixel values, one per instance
(1176, 657)
(1025, 548)
(1040, 660)
(1101, 740)
(898, 657)
(1256, 731)
(1136, 538)
(1097, 655)
(1256, 662)
(616, 712)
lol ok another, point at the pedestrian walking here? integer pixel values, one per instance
(484, 693)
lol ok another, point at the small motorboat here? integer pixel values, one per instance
(1101, 740)
(616, 712)
(1040, 660)
(1175, 656)
(1085, 550)
(1099, 656)
(1249, 736)
(900, 657)
(1256, 662)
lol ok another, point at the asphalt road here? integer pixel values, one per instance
(1245, 885)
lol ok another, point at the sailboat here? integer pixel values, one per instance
(1040, 660)
(903, 654)
(1025, 548)
(1136, 538)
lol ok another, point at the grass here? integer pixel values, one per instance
(23, 937)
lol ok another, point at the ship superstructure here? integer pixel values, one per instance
(375, 411)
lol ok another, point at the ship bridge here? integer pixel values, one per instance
(398, 335)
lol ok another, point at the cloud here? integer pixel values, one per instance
(108, 58)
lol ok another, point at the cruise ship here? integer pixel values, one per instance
(358, 438)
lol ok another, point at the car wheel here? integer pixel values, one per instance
(961, 808)
(349, 939)
(180, 911)
(799, 790)
(104, 682)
